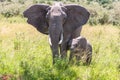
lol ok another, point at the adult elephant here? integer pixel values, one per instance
(61, 22)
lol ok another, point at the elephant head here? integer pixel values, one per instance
(56, 21)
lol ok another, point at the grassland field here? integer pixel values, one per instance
(25, 54)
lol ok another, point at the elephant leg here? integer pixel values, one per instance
(55, 53)
(89, 53)
(63, 50)
(71, 55)
(78, 58)
(71, 60)
(89, 58)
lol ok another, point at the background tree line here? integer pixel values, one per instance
(102, 11)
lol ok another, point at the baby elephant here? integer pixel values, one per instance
(81, 49)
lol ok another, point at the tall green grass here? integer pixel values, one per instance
(25, 54)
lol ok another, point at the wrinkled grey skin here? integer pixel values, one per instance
(56, 21)
(81, 49)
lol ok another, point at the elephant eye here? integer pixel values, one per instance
(75, 45)
(64, 17)
(64, 14)
(47, 16)
(79, 46)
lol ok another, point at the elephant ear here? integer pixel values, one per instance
(76, 17)
(36, 15)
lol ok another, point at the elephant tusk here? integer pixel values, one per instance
(50, 41)
(61, 39)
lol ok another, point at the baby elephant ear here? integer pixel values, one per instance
(36, 17)
(76, 16)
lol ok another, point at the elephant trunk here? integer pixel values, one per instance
(60, 41)
(55, 38)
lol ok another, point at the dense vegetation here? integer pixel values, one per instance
(25, 53)
(102, 11)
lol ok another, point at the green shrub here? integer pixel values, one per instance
(95, 13)
(104, 19)
(115, 14)
(38, 1)
(10, 9)
(102, 11)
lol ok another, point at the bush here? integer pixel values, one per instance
(10, 9)
(104, 19)
(95, 13)
(102, 11)
(115, 14)
(104, 15)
